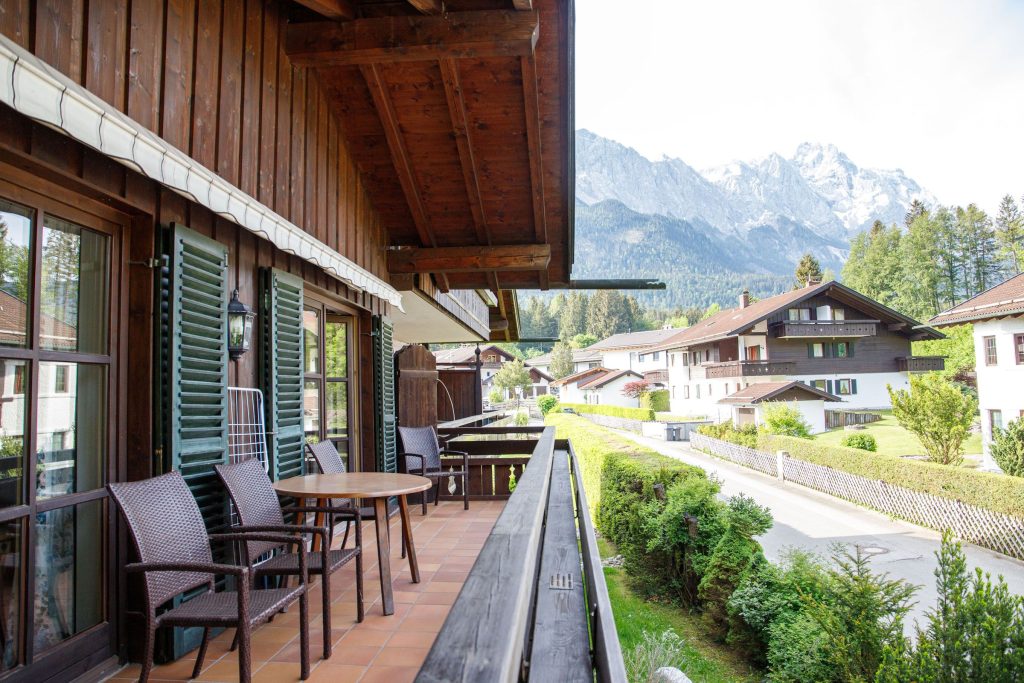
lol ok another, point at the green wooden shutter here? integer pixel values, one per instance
(282, 368)
(853, 386)
(384, 395)
(197, 369)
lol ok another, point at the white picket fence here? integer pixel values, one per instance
(994, 530)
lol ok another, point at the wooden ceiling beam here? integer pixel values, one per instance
(428, 6)
(490, 33)
(341, 10)
(469, 259)
(531, 108)
(523, 5)
(467, 158)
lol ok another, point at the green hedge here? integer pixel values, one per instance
(655, 400)
(996, 492)
(642, 414)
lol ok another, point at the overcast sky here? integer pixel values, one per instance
(935, 87)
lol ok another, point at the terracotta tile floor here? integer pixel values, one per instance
(382, 648)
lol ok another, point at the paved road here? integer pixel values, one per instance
(808, 519)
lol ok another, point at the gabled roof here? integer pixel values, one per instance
(578, 356)
(579, 376)
(631, 340)
(1004, 299)
(467, 354)
(766, 391)
(733, 321)
(608, 377)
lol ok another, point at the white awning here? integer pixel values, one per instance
(37, 90)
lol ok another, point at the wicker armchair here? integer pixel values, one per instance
(259, 510)
(167, 529)
(421, 454)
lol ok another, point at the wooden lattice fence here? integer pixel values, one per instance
(994, 530)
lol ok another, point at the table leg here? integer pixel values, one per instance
(414, 568)
(380, 515)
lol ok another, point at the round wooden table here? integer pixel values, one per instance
(375, 486)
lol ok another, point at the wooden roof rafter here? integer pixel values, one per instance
(341, 10)
(533, 140)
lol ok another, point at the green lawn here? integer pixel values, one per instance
(892, 438)
(706, 661)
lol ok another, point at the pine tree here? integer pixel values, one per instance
(918, 289)
(608, 313)
(978, 250)
(873, 267)
(573, 317)
(1010, 233)
(916, 209)
(948, 257)
(561, 361)
(808, 270)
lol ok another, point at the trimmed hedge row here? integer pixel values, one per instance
(995, 492)
(642, 414)
(655, 400)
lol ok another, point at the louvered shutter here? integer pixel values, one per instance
(828, 386)
(853, 386)
(849, 349)
(281, 363)
(197, 369)
(384, 395)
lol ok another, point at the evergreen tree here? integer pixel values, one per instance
(948, 257)
(573, 317)
(1010, 233)
(874, 268)
(608, 313)
(807, 270)
(537, 321)
(561, 361)
(977, 240)
(916, 209)
(918, 291)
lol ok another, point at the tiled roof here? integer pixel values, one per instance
(1000, 301)
(578, 356)
(578, 376)
(609, 376)
(60, 335)
(465, 354)
(765, 391)
(628, 340)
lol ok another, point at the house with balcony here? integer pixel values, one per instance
(582, 359)
(640, 352)
(997, 318)
(825, 335)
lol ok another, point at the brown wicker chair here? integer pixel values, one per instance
(421, 454)
(259, 510)
(329, 460)
(167, 529)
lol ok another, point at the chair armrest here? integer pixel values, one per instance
(448, 451)
(197, 567)
(339, 512)
(423, 460)
(274, 538)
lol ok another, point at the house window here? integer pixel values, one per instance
(799, 314)
(838, 314)
(815, 350)
(656, 355)
(60, 379)
(820, 384)
(707, 355)
(995, 421)
(641, 358)
(327, 402)
(697, 387)
(753, 353)
(686, 392)
(842, 350)
(672, 359)
(709, 389)
(1018, 344)
(846, 387)
(991, 357)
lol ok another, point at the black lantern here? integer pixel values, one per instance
(240, 319)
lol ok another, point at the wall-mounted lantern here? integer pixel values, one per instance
(240, 319)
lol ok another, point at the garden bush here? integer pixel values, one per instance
(1007, 448)
(785, 420)
(939, 413)
(547, 403)
(989, 490)
(496, 396)
(521, 418)
(642, 414)
(864, 442)
(656, 400)
(743, 436)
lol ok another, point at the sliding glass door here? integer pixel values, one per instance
(328, 374)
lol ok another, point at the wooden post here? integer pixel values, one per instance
(780, 464)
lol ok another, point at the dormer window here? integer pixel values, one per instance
(799, 314)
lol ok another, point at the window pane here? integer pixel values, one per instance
(10, 593)
(336, 349)
(15, 238)
(69, 572)
(13, 393)
(311, 409)
(311, 339)
(337, 410)
(74, 297)
(71, 438)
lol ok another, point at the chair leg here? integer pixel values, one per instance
(304, 632)
(147, 656)
(437, 493)
(198, 668)
(344, 540)
(423, 499)
(359, 585)
(325, 592)
(465, 492)
(244, 651)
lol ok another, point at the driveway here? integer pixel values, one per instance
(805, 518)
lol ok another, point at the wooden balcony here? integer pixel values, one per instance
(921, 364)
(748, 368)
(825, 329)
(486, 607)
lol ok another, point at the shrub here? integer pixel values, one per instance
(1007, 448)
(973, 634)
(985, 489)
(656, 400)
(785, 420)
(547, 403)
(938, 413)
(521, 419)
(864, 442)
(796, 652)
(644, 415)
(496, 396)
(744, 436)
(734, 555)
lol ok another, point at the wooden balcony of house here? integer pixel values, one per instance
(511, 589)
(825, 329)
(921, 363)
(748, 368)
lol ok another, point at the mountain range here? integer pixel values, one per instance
(709, 233)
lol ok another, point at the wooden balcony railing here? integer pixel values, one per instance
(531, 608)
(497, 457)
(749, 368)
(921, 363)
(825, 328)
